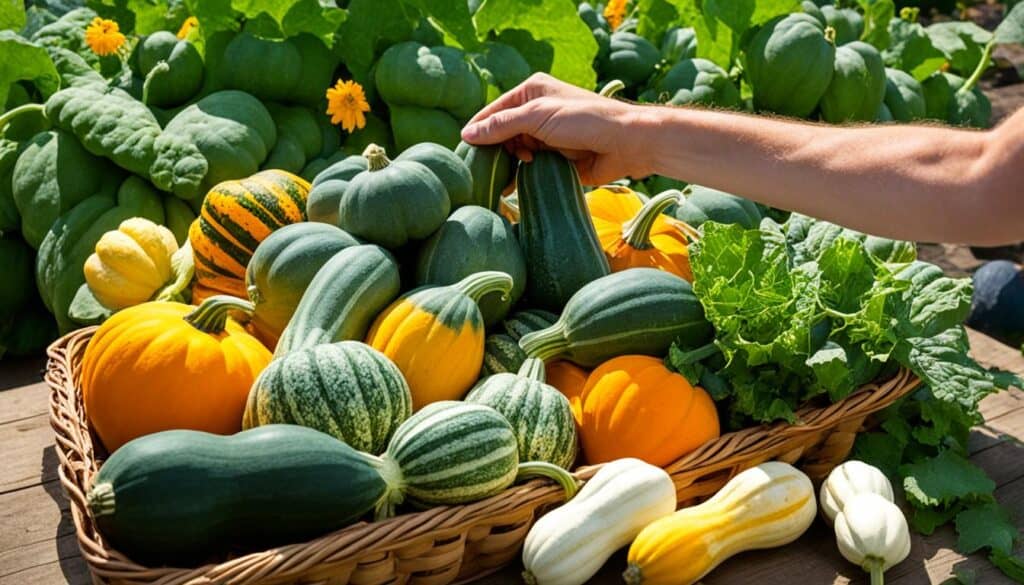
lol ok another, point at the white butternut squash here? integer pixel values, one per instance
(763, 507)
(570, 544)
(847, 480)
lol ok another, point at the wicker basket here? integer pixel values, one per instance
(441, 545)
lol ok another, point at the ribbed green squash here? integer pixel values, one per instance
(474, 239)
(635, 311)
(455, 453)
(178, 497)
(447, 166)
(347, 389)
(282, 267)
(946, 103)
(18, 261)
(694, 81)
(527, 321)
(789, 65)
(631, 59)
(295, 70)
(491, 167)
(678, 44)
(904, 96)
(10, 219)
(299, 138)
(555, 231)
(501, 354)
(539, 414)
(847, 22)
(343, 298)
(412, 125)
(329, 185)
(183, 77)
(703, 204)
(857, 87)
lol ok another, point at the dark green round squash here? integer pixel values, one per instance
(346, 389)
(283, 266)
(789, 65)
(448, 167)
(857, 88)
(703, 204)
(472, 240)
(184, 75)
(631, 59)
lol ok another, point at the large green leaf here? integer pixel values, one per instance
(537, 24)
(1011, 30)
(372, 26)
(267, 18)
(12, 14)
(453, 18)
(25, 61)
(143, 16)
(877, 15)
(654, 17)
(961, 42)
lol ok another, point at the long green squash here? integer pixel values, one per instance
(346, 294)
(558, 239)
(635, 311)
(178, 497)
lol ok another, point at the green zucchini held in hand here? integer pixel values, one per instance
(559, 242)
(455, 453)
(635, 311)
(182, 497)
(340, 302)
(347, 389)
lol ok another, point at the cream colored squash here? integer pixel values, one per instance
(847, 480)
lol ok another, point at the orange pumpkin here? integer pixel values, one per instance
(633, 406)
(636, 234)
(162, 365)
(569, 379)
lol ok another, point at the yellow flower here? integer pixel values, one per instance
(346, 103)
(615, 12)
(187, 26)
(103, 36)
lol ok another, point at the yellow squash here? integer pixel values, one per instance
(435, 335)
(636, 234)
(763, 507)
(137, 262)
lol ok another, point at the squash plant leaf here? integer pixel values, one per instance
(985, 526)
(944, 480)
(912, 50)
(283, 19)
(12, 15)
(548, 33)
(453, 18)
(877, 16)
(654, 17)
(1011, 30)
(961, 42)
(24, 61)
(143, 16)
(371, 27)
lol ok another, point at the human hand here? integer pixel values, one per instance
(603, 136)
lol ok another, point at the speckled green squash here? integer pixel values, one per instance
(501, 354)
(347, 389)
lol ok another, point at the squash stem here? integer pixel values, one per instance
(532, 469)
(611, 88)
(159, 69)
(546, 343)
(478, 284)
(637, 231)
(830, 34)
(874, 566)
(986, 56)
(9, 115)
(212, 315)
(376, 157)
(632, 575)
(532, 369)
(394, 492)
(101, 499)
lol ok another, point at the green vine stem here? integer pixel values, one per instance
(478, 284)
(212, 315)
(611, 88)
(9, 115)
(637, 231)
(532, 469)
(159, 69)
(376, 157)
(874, 566)
(986, 56)
(695, 355)
(532, 369)
(546, 343)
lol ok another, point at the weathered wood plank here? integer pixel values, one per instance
(23, 402)
(29, 457)
(72, 571)
(23, 558)
(34, 514)
(995, 354)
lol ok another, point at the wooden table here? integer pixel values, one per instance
(38, 545)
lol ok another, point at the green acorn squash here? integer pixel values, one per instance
(904, 96)
(789, 65)
(631, 59)
(694, 81)
(857, 88)
(183, 77)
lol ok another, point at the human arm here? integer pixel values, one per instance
(917, 182)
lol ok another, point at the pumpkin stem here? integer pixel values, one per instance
(830, 34)
(478, 284)
(532, 469)
(611, 88)
(376, 157)
(394, 493)
(546, 343)
(101, 499)
(212, 315)
(632, 575)
(532, 369)
(637, 231)
(159, 69)
(12, 114)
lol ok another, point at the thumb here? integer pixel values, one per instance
(501, 126)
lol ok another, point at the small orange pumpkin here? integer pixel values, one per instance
(162, 365)
(569, 379)
(633, 406)
(636, 234)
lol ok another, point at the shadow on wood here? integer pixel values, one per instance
(68, 553)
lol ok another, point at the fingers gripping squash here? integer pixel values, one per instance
(436, 336)
(633, 406)
(636, 234)
(171, 366)
(236, 216)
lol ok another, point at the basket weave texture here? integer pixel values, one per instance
(441, 545)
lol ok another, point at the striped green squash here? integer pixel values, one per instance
(526, 321)
(501, 354)
(340, 302)
(634, 311)
(453, 452)
(347, 389)
(539, 414)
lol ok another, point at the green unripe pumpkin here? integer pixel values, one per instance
(904, 96)
(184, 74)
(631, 58)
(694, 81)
(857, 87)
(789, 65)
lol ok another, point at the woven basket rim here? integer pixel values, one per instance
(78, 464)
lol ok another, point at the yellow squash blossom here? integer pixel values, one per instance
(346, 103)
(103, 36)
(187, 26)
(615, 12)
